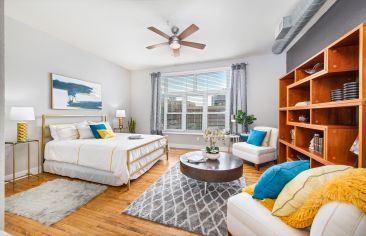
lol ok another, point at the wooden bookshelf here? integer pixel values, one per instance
(338, 122)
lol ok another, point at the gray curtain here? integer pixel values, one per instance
(238, 92)
(155, 117)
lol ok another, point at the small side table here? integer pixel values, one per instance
(28, 142)
(233, 139)
(119, 130)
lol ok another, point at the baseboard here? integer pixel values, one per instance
(189, 146)
(18, 174)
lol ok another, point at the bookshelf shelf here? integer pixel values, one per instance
(338, 123)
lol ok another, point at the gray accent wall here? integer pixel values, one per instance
(343, 16)
(2, 110)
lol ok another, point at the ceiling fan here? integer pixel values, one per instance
(175, 40)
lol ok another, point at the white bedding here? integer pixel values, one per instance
(109, 155)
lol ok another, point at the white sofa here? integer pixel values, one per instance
(245, 216)
(255, 154)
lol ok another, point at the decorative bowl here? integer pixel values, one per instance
(211, 156)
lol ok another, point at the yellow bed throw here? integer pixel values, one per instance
(349, 187)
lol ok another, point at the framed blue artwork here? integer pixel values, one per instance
(71, 94)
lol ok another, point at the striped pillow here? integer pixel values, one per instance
(294, 194)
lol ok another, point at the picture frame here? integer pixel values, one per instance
(73, 94)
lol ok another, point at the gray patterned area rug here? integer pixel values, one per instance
(179, 201)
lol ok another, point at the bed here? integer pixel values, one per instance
(114, 161)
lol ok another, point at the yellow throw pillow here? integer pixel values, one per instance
(347, 187)
(107, 133)
(294, 194)
(265, 142)
(267, 202)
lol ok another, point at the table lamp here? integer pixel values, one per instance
(22, 114)
(120, 114)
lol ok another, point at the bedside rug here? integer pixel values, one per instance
(179, 201)
(53, 200)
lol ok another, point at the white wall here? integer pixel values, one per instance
(263, 72)
(2, 103)
(30, 56)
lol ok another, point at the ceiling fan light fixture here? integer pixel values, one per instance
(174, 43)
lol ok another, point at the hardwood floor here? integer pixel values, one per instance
(102, 215)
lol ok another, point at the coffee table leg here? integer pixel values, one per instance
(205, 187)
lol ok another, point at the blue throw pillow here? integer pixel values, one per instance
(94, 129)
(256, 137)
(273, 180)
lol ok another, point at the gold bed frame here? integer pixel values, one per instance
(104, 118)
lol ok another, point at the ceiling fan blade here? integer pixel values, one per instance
(155, 30)
(157, 45)
(187, 32)
(176, 52)
(193, 45)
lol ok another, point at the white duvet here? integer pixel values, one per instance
(103, 154)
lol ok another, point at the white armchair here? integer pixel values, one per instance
(255, 154)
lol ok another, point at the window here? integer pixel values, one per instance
(192, 102)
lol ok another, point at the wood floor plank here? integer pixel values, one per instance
(102, 215)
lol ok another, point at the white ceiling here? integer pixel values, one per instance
(116, 29)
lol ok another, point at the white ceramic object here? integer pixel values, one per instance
(210, 155)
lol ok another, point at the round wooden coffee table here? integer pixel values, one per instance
(225, 169)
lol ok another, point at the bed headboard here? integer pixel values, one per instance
(45, 124)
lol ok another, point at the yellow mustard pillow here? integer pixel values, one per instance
(265, 142)
(348, 187)
(107, 133)
(267, 202)
(294, 194)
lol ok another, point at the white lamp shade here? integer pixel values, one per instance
(22, 113)
(120, 113)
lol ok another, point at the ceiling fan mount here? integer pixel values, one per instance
(175, 41)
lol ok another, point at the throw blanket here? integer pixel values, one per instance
(349, 187)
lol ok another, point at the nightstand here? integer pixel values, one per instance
(120, 130)
(28, 142)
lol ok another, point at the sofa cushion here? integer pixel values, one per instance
(274, 179)
(245, 212)
(249, 148)
(336, 219)
(266, 139)
(256, 137)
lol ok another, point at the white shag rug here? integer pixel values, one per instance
(53, 200)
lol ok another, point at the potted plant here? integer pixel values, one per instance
(131, 125)
(212, 136)
(245, 120)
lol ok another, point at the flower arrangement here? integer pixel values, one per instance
(213, 136)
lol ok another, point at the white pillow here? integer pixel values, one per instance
(336, 219)
(84, 130)
(53, 129)
(107, 125)
(67, 133)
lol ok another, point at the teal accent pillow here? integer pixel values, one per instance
(244, 137)
(94, 129)
(273, 180)
(256, 137)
